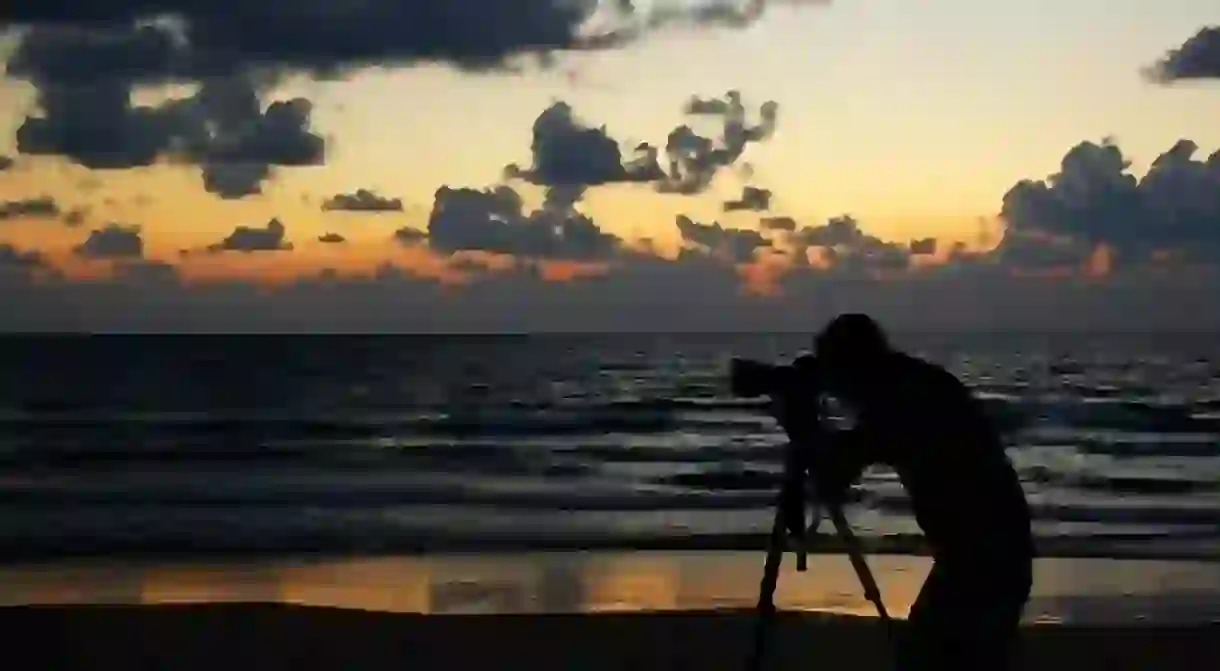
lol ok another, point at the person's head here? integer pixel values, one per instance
(851, 349)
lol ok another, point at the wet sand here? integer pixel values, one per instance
(270, 637)
(569, 611)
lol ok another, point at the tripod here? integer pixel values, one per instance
(795, 477)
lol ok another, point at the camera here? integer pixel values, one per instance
(749, 378)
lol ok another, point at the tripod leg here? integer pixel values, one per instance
(766, 591)
(855, 553)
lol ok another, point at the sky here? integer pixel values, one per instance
(470, 165)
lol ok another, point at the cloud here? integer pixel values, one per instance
(694, 159)
(331, 238)
(329, 36)
(923, 246)
(6, 162)
(732, 244)
(113, 241)
(849, 249)
(75, 217)
(1094, 200)
(363, 200)
(1197, 58)
(12, 257)
(222, 127)
(42, 207)
(752, 198)
(780, 223)
(494, 220)
(254, 239)
(566, 151)
(409, 236)
(694, 293)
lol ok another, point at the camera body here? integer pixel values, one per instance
(751, 379)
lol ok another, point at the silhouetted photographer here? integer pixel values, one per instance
(966, 496)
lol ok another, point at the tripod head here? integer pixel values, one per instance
(794, 385)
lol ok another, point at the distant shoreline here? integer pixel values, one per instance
(1117, 547)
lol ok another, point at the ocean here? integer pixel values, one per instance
(135, 445)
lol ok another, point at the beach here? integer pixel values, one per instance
(539, 611)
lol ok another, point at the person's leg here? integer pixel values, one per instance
(992, 604)
(924, 644)
(966, 618)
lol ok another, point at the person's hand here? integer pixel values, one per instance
(792, 506)
(798, 419)
(831, 472)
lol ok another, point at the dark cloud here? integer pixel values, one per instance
(923, 246)
(1197, 58)
(735, 245)
(850, 249)
(75, 217)
(494, 220)
(269, 238)
(409, 236)
(1019, 250)
(235, 180)
(113, 241)
(782, 224)
(222, 127)
(752, 198)
(331, 238)
(12, 257)
(1094, 200)
(328, 36)
(43, 207)
(363, 200)
(696, 292)
(6, 162)
(566, 151)
(694, 159)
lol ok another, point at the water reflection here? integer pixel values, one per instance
(596, 582)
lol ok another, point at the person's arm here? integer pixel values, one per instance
(833, 459)
(839, 459)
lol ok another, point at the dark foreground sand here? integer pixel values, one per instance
(269, 637)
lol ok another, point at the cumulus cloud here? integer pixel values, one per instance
(409, 236)
(363, 200)
(75, 217)
(783, 224)
(113, 241)
(848, 248)
(694, 159)
(923, 246)
(1197, 58)
(735, 245)
(222, 127)
(42, 207)
(328, 36)
(494, 220)
(566, 151)
(752, 198)
(269, 238)
(11, 257)
(1094, 200)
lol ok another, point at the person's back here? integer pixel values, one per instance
(965, 494)
(964, 491)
